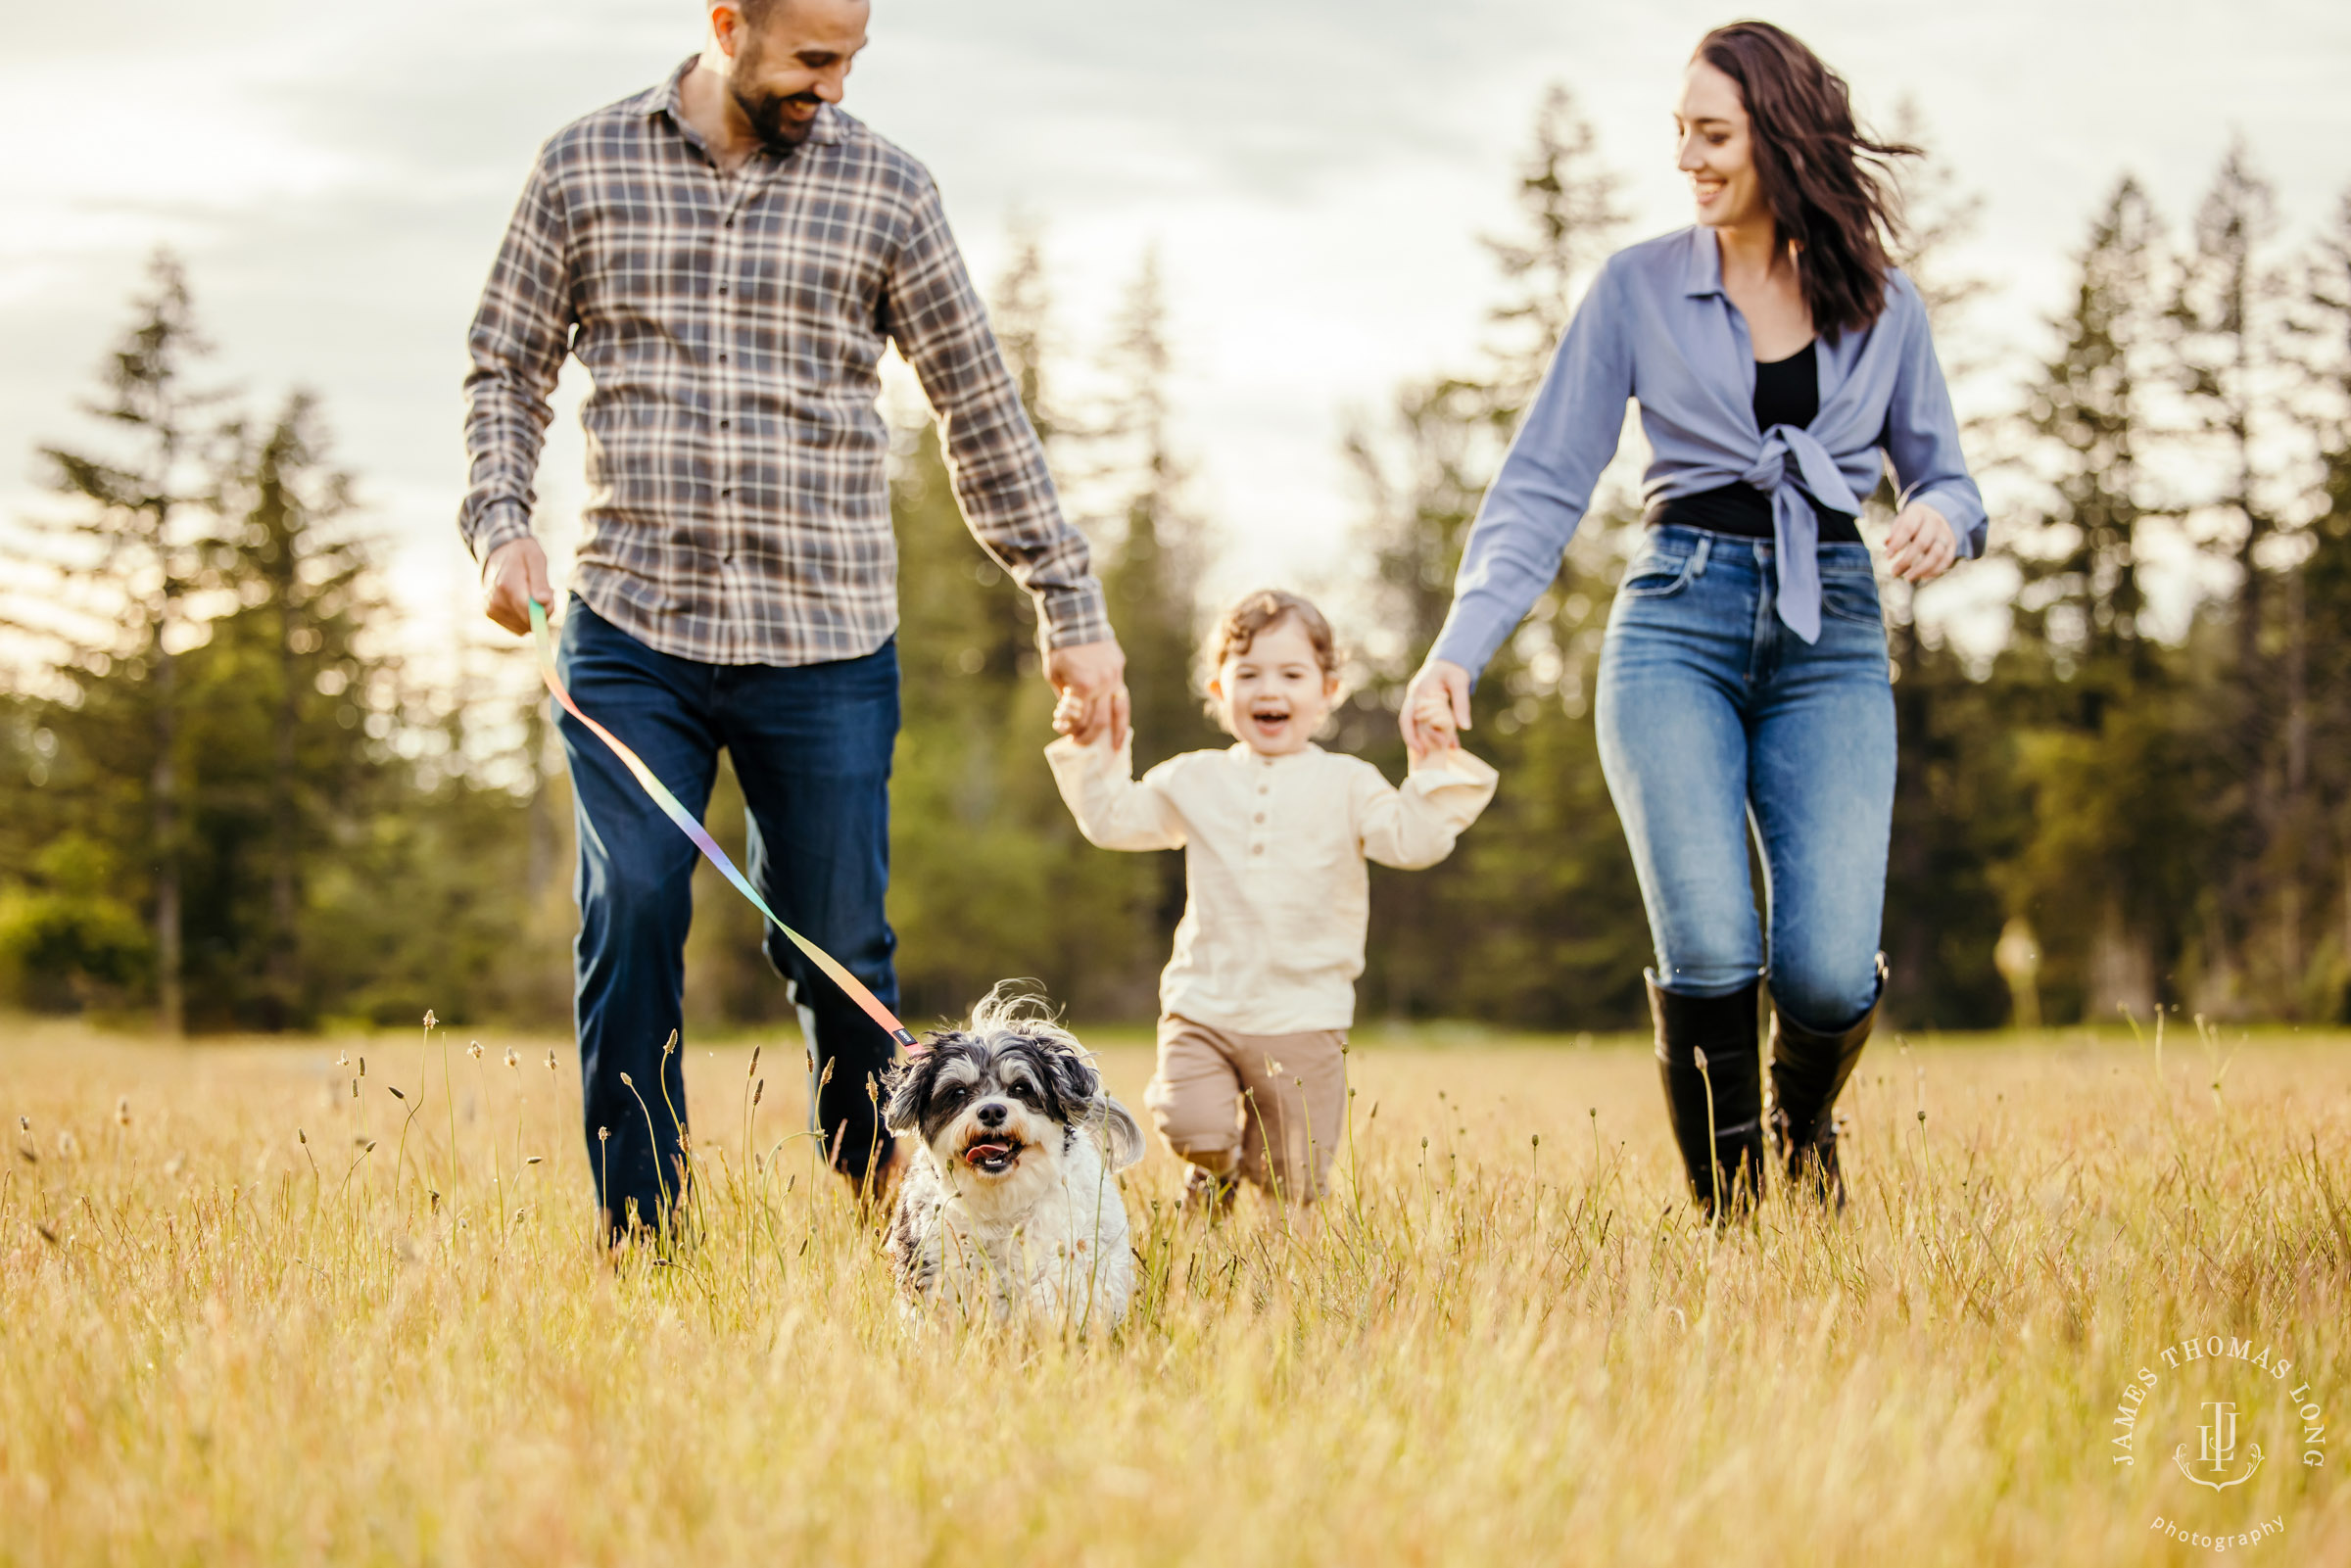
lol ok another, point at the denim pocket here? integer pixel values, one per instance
(1655, 574)
(1851, 596)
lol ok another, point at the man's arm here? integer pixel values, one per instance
(521, 332)
(997, 465)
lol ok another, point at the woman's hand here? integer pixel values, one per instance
(1436, 706)
(1922, 545)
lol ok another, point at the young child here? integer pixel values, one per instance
(1256, 1000)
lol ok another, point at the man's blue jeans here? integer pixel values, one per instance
(1714, 718)
(811, 746)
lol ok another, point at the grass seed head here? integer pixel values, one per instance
(123, 1110)
(474, 1050)
(626, 1082)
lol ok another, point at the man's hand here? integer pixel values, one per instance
(1921, 545)
(1436, 706)
(514, 575)
(1091, 678)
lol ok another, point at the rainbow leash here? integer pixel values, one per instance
(687, 824)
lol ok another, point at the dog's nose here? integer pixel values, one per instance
(991, 1114)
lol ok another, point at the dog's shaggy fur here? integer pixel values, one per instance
(1010, 1204)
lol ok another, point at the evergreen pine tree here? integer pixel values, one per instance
(128, 567)
(2228, 356)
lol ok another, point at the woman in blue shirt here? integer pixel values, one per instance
(1780, 362)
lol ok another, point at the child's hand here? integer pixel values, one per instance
(1433, 716)
(1069, 713)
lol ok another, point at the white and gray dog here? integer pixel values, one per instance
(1010, 1204)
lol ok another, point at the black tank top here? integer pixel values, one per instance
(1787, 393)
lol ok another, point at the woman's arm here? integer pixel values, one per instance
(1113, 809)
(1415, 827)
(1568, 436)
(1922, 438)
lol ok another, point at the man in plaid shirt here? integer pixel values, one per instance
(729, 255)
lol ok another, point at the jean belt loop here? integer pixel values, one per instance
(1698, 558)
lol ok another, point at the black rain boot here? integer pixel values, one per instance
(1719, 1103)
(1809, 1070)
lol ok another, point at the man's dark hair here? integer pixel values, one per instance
(1828, 184)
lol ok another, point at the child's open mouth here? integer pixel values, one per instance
(993, 1157)
(1271, 723)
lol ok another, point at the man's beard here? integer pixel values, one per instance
(777, 130)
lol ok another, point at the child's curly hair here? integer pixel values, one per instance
(1259, 612)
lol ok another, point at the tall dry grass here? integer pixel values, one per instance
(246, 1316)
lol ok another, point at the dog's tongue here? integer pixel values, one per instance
(986, 1151)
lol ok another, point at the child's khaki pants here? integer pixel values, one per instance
(1269, 1108)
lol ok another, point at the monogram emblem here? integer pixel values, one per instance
(2219, 1449)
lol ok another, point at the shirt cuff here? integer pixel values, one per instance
(1469, 638)
(1071, 617)
(1453, 765)
(502, 523)
(1965, 516)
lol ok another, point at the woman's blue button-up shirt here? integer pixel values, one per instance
(1657, 328)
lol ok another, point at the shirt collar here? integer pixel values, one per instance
(1241, 752)
(670, 99)
(1701, 263)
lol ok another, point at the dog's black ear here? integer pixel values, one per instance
(902, 1088)
(907, 1086)
(1076, 1083)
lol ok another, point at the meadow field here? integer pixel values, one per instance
(249, 1316)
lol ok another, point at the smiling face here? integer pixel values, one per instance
(790, 64)
(990, 1107)
(1274, 694)
(1717, 149)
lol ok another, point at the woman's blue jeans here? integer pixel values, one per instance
(811, 746)
(1716, 720)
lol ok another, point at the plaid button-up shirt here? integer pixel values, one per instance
(738, 506)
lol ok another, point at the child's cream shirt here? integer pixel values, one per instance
(1276, 894)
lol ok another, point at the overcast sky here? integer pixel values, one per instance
(1315, 174)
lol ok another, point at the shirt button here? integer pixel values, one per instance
(722, 358)
(1260, 817)
(722, 288)
(724, 423)
(729, 491)
(1257, 849)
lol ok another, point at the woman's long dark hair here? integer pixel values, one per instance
(1829, 186)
